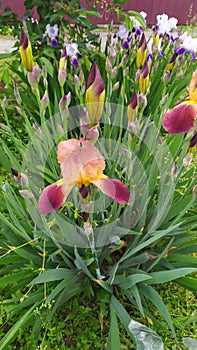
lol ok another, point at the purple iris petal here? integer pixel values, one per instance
(75, 62)
(42, 38)
(161, 53)
(125, 45)
(192, 53)
(149, 57)
(180, 50)
(54, 42)
(138, 31)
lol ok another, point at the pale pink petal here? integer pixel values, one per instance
(113, 188)
(52, 198)
(80, 162)
(180, 119)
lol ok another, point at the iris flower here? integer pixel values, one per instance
(95, 95)
(25, 50)
(52, 33)
(181, 118)
(81, 165)
(73, 52)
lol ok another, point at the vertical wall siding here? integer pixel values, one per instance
(184, 10)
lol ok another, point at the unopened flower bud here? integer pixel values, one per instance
(45, 83)
(26, 194)
(60, 129)
(187, 161)
(192, 144)
(144, 79)
(17, 94)
(164, 100)
(81, 77)
(108, 66)
(64, 113)
(20, 177)
(172, 62)
(92, 134)
(174, 172)
(125, 71)
(167, 76)
(94, 95)
(19, 110)
(124, 59)
(26, 51)
(4, 102)
(195, 191)
(33, 77)
(132, 108)
(114, 72)
(44, 102)
(116, 86)
(36, 71)
(112, 53)
(4, 127)
(63, 60)
(84, 191)
(141, 52)
(61, 76)
(37, 130)
(44, 72)
(64, 101)
(133, 126)
(76, 80)
(142, 101)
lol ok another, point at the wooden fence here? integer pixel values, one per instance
(184, 10)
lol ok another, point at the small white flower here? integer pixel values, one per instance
(52, 31)
(165, 24)
(72, 49)
(188, 42)
(136, 23)
(123, 33)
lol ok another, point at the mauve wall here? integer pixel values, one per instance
(184, 10)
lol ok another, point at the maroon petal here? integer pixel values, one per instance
(52, 198)
(113, 188)
(180, 119)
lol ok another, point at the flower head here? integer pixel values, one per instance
(141, 52)
(165, 25)
(26, 51)
(73, 52)
(52, 33)
(144, 79)
(20, 177)
(81, 165)
(94, 95)
(123, 33)
(180, 119)
(132, 108)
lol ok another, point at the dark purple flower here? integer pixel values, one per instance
(180, 50)
(138, 31)
(161, 53)
(149, 57)
(125, 44)
(192, 53)
(75, 62)
(54, 42)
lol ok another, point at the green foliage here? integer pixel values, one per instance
(131, 248)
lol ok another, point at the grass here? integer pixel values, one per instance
(84, 324)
